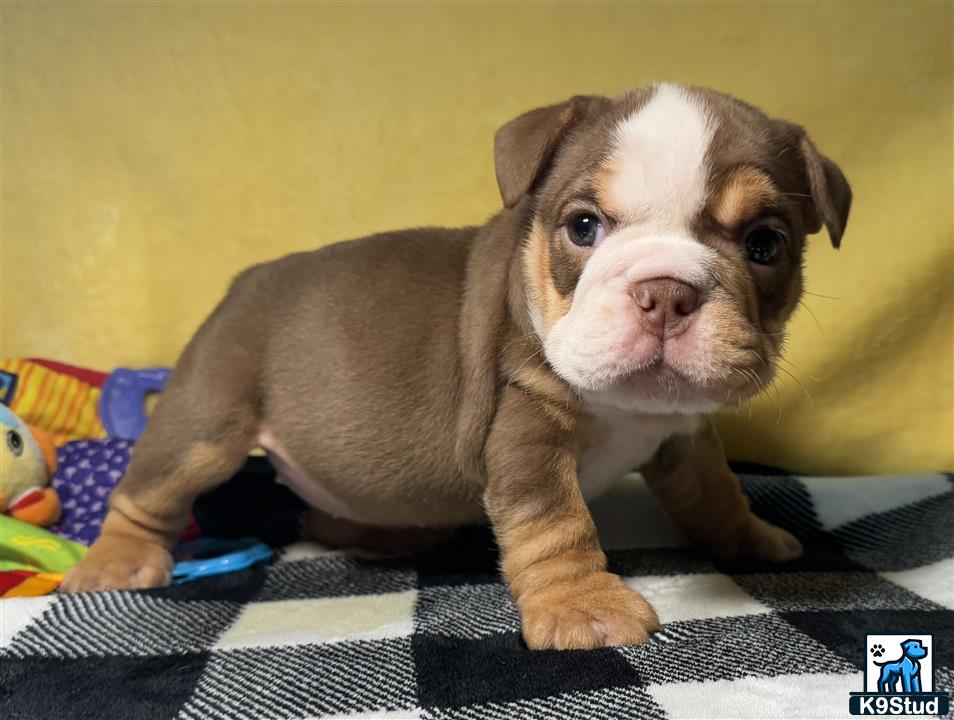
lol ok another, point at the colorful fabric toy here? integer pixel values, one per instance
(27, 463)
(32, 560)
(61, 399)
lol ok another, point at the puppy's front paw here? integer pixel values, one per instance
(765, 541)
(120, 563)
(594, 611)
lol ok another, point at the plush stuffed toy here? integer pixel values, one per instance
(27, 464)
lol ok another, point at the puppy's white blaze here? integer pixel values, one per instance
(660, 161)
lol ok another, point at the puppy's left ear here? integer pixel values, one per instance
(831, 194)
(524, 147)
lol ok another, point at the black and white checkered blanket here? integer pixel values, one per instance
(319, 634)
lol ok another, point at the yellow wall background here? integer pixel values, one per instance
(152, 150)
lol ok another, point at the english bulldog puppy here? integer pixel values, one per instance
(638, 278)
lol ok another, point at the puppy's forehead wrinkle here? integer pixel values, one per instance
(658, 170)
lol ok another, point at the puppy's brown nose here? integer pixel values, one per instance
(665, 305)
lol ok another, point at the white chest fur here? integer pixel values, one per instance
(616, 442)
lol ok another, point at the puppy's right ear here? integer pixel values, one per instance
(524, 147)
(831, 193)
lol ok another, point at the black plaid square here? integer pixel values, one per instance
(453, 672)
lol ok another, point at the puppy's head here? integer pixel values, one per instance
(664, 251)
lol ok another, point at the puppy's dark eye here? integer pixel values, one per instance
(15, 442)
(585, 229)
(762, 245)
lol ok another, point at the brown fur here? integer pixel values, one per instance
(537, 268)
(403, 375)
(691, 479)
(743, 194)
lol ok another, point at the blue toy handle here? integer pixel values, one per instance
(122, 404)
(208, 557)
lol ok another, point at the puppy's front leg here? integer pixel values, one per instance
(690, 476)
(550, 552)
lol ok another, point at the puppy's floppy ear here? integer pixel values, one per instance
(524, 147)
(831, 194)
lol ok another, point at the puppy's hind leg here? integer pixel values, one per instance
(200, 433)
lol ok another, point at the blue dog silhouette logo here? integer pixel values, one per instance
(899, 678)
(903, 674)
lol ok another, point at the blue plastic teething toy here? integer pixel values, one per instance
(207, 557)
(122, 404)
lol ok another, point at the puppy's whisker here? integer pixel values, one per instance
(777, 399)
(762, 389)
(811, 401)
(761, 359)
(748, 375)
(752, 376)
(809, 310)
(521, 366)
(807, 376)
(517, 340)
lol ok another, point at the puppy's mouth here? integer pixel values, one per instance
(716, 362)
(660, 386)
(657, 377)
